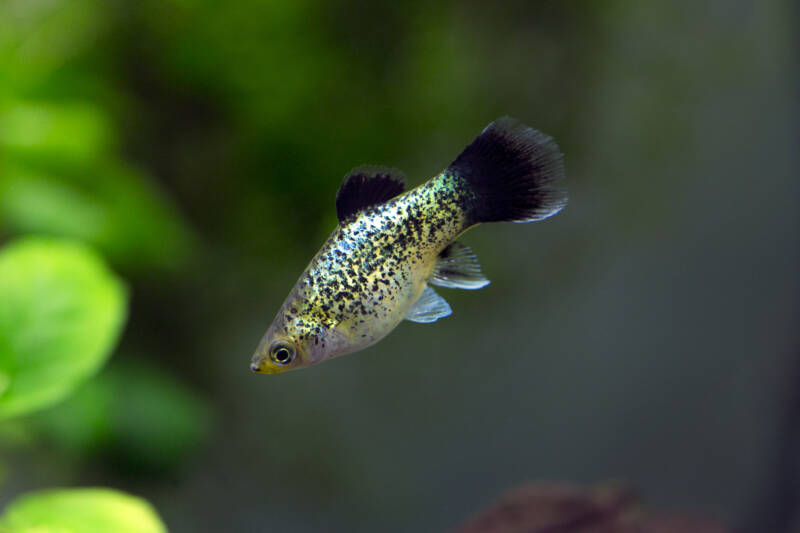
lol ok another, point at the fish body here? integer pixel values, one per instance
(376, 267)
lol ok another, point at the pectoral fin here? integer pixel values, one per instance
(457, 267)
(430, 307)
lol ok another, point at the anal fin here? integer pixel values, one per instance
(457, 267)
(430, 307)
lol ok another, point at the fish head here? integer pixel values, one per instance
(293, 344)
(275, 355)
(280, 350)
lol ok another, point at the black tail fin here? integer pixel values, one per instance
(512, 168)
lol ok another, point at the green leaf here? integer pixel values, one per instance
(145, 228)
(133, 411)
(83, 423)
(158, 421)
(39, 38)
(76, 131)
(32, 202)
(61, 314)
(118, 210)
(90, 510)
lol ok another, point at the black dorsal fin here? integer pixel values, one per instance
(365, 186)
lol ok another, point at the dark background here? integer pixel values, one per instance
(648, 333)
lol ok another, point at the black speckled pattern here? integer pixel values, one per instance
(372, 269)
(377, 262)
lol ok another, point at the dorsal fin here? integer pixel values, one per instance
(365, 186)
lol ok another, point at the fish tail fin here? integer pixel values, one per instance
(511, 169)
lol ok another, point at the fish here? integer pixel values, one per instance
(391, 244)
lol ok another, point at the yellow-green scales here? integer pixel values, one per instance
(376, 267)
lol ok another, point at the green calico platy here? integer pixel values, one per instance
(390, 246)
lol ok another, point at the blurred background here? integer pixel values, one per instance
(648, 333)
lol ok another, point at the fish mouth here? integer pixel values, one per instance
(260, 366)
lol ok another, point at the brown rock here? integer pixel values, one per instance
(563, 508)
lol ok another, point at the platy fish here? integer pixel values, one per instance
(390, 246)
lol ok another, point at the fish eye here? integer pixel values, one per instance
(281, 353)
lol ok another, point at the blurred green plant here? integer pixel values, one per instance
(142, 418)
(87, 510)
(76, 132)
(61, 173)
(60, 177)
(63, 176)
(61, 315)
